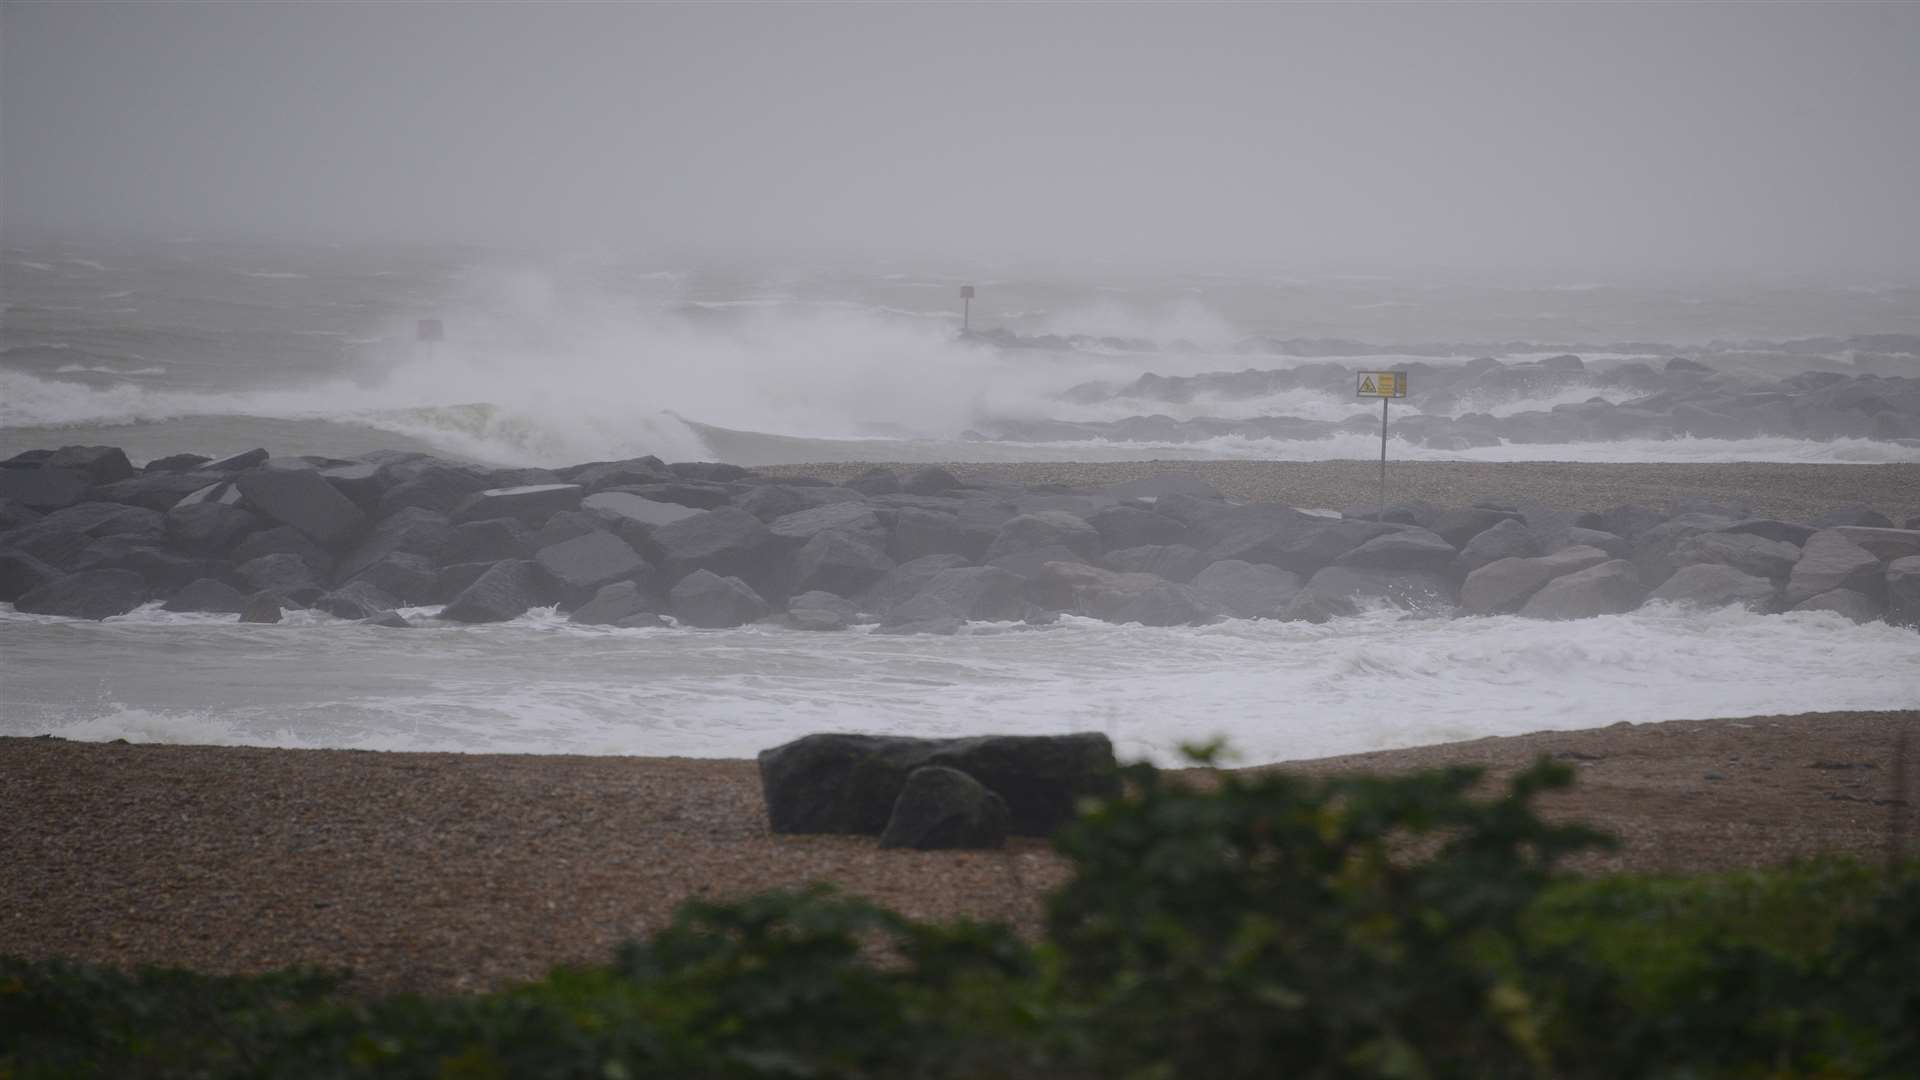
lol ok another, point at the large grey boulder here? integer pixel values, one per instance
(1259, 533)
(91, 594)
(842, 563)
(1855, 606)
(506, 590)
(1175, 562)
(728, 542)
(1903, 591)
(282, 540)
(100, 464)
(1853, 515)
(838, 783)
(531, 503)
(357, 600)
(626, 506)
(1786, 531)
(414, 530)
(970, 594)
(579, 567)
(820, 611)
(1654, 550)
(210, 595)
(241, 462)
(612, 604)
(1324, 544)
(158, 491)
(209, 528)
(1887, 544)
(1130, 526)
(1045, 528)
(849, 518)
(261, 608)
(285, 576)
(1504, 585)
(431, 486)
(490, 541)
(705, 599)
(918, 532)
(929, 480)
(21, 573)
(1616, 546)
(164, 571)
(301, 499)
(1746, 552)
(905, 581)
(1708, 584)
(945, 809)
(1409, 549)
(43, 489)
(1608, 589)
(13, 515)
(176, 463)
(1507, 538)
(1831, 561)
(1028, 564)
(1346, 590)
(1113, 597)
(1460, 527)
(1247, 590)
(409, 578)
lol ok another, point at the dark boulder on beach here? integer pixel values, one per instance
(875, 481)
(820, 611)
(1855, 606)
(506, 590)
(176, 463)
(1045, 528)
(905, 581)
(835, 783)
(842, 563)
(942, 809)
(209, 595)
(1903, 591)
(1853, 515)
(100, 464)
(357, 599)
(852, 519)
(1345, 590)
(1745, 552)
(155, 491)
(1458, 527)
(408, 578)
(413, 530)
(929, 480)
(284, 575)
(1129, 526)
(638, 509)
(1079, 589)
(1412, 548)
(1508, 538)
(1610, 588)
(917, 533)
(91, 594)
(706, 600)
(1175, 562)
(261, 608)
(301, 499)
(432, 486)
(241, 462)
(1886, 544)
(728, 542)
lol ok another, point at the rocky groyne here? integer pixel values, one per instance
(641, 542)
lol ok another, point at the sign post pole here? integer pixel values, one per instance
(1385, 385)
(966, 309)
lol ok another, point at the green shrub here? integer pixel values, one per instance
(1266, 925)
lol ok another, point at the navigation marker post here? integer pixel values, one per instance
(966, 309)
(1385, 385)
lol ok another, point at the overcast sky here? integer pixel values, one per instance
(1770, 137)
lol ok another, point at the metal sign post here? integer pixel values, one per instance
(966, 309)
(1385, 385)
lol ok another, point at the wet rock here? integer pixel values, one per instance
(1345, 590)
(1507, 539)
(970, 594)
(177, 463)
(1831, 561)
(849, 783)
(282, 540)
(1903, 591)
(530, 503)
(43, 489)
(1616, 546)
(1505, 585)
(432, 486)
(1715, 585)
(210, 595)
(1607, 589)
(261, 608)
(709, 601)
(450, 581)
(284, 575)
(1128, 527)
(943, 809)
(506, 590)
(875, 481)
(1783, 531)
(1028, 564)
(493, 540)
(1113, 597)
(91, 594)
(100, 464)
(1460, 527)
(917, 533)
(1247, 590)
(21, 573)
(209, 528)
(612, 603)
(581, 566)
(156, 491)
(1409, 549)
(599, 475)
(1886, 544)
(13, 515)
(842, 563)
(820, 611)
(727, 542)
(905, 581)
(1045, 528)
(241, 462)
(411, 579)
(356, 600)
(1745, 552)
(938, 627)
(414, 530)
(1855, 606)
(851, 519)
(715, 472)
(301, 499)
(626, 506)
(1261, 533)
(929, 480)
(1853, 515)
(1175, 562)
(392, 620)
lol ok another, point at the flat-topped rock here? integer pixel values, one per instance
(531, 503)
(301, 499)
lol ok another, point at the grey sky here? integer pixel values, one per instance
(1658, 136)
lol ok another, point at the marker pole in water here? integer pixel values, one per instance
(1383, 457)
(966, 309)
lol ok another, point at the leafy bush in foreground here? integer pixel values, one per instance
(1268, 925)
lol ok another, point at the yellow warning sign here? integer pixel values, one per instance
(1383, 384)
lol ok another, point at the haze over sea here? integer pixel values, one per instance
(167, 345)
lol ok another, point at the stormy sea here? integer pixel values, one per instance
(169, 345)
